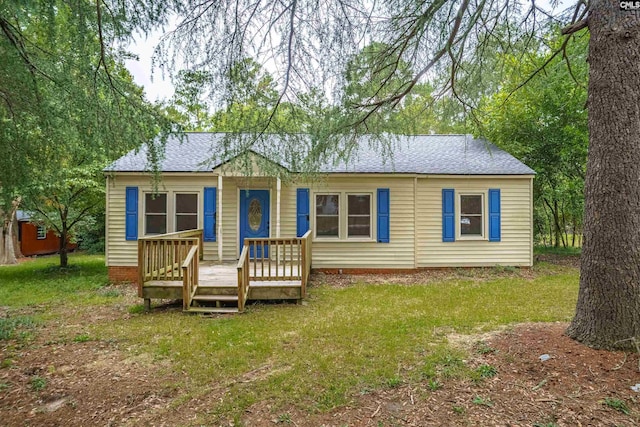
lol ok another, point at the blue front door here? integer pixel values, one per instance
(254, 218)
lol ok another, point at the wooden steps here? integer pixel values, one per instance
(214, 298)
(213, 310)
(213, 303)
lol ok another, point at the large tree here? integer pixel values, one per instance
(544, 124)
(67, 106)
(309, 42)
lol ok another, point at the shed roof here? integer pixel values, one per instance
(420, 154)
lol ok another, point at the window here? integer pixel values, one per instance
(327, 215)
(42, 232)
(186, 212)
(471, 221)
(155, 213)
(359, 215)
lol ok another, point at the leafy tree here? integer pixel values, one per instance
(545, 124)
(189, 107)
(67, 104)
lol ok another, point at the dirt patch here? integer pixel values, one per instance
(79, 384)
(63, 377)
(568, 389)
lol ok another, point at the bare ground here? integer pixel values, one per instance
(102, 383)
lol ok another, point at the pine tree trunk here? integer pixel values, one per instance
(608, 308)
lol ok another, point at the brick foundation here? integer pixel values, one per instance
(120, 274)
(365, 270)
(356, 271)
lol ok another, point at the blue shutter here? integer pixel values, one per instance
(302, 211)
(448, 215)
(210, 196)
(131, 213)
(494, 215)
(383, 215)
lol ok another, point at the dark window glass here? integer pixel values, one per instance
(186, 222)
(187, 203)
(327, 226)
(155, 214)
(157, 204)
(156, 224)
(186, 212)
(327, 211)
(471, 215)
(359, 215)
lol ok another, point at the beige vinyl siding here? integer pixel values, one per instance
(345, 253)
(121, 252)
(403, 251)
(514, 248)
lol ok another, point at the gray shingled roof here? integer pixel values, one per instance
(422, 154)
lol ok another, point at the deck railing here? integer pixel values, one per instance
(190, 276)
(279, 259)
(161, 257)
(243, 278)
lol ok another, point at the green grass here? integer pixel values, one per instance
(16, 327)
(569, 250)
(38, 383)
(316, 356)
(41, 281)
(345, 340)
(617, 404)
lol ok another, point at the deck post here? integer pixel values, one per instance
(147, 304)
(141, 267)
(219, 218)
(303, 266)
(278, 190)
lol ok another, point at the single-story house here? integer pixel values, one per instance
(36, 239)
(438, 201)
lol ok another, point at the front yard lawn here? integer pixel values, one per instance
(90, 348)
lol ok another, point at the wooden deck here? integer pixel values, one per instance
(222, 279)
(170, 268)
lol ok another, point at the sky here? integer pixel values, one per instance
(159, 87)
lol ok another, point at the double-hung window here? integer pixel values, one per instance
(327, 215)
(155, 213)
(344, 216)
(471, 215)
(42, 232)
(186, 211)
(359, 215)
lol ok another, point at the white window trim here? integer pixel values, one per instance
(175, 207)
(38, 228)
(343, 217)
(144, 213)
(359, 238)
(340, 205)
(483, 201)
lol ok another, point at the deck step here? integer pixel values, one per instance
(214, 298)
(212, 310)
